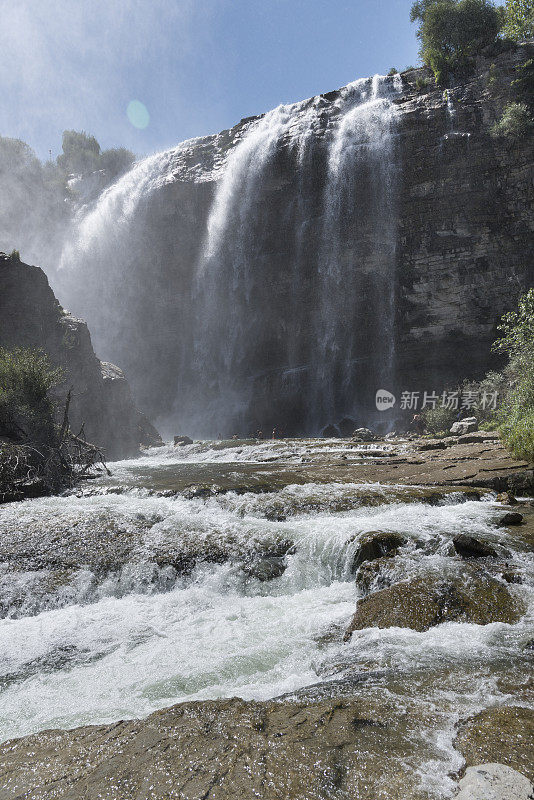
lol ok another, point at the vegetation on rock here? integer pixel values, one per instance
(35, 192)
(453, 32)
(516, 121)
(517, 413)
(36, 455)
(518, 19)
(82, 154)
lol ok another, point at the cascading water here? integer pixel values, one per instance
(264, 260)
(127, 598)
(357, 257)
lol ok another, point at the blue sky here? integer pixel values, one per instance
(197, 65)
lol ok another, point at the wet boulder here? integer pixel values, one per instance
(503, 734)
(469, 547)
(374, 575)
(506, 499)
(427, 601)
(513, 518)
(364, 435)
(377, 544)
(182, 441)
(265, 569)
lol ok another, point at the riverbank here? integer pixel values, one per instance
(270, 572)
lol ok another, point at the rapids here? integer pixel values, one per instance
(128, 596)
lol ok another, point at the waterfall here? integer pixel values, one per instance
(247, 280)
(357, 236)
(357, 257)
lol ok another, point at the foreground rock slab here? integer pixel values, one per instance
(503, 734)
(224, 750)
(494, 782)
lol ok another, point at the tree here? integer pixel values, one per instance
(116, 161)
(518, 19)
(81, 152)
(453, 32)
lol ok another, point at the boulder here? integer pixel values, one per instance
(182, 440)
(513, 518)
(503, 733)
(478, 437)
(331, 432)
(506, 499)
(494, 782)
(376, 544)
(375, 574)
(364, 435)
(470, 547)
(266, 569)
(346, 426)
(423, 602)
(463, 426)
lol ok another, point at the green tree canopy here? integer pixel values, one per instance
(81, 152)
(518, 19)
(453, 32)
(82, 155)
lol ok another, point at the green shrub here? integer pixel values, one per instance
(439, 419)
(517, 431)
(26, 410)
(517, 412)
(15, 256)
(421, 83)
(516, 122)
(393, 71)
(453, 33)
(523, 86)
(518, 19)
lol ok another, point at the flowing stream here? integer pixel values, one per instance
(144, 589)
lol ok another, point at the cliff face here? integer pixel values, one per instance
(281, 272)
(466, 224)
(30, 316)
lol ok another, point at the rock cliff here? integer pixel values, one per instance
(367, 238)
(30, 316)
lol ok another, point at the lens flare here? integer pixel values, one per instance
(138, 114)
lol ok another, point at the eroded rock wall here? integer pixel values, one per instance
(30, 316)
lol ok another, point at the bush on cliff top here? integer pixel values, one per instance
(453, 32)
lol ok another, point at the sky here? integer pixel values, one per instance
(147, 74)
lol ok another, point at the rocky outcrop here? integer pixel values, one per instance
(424, 602)
(30, 316)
